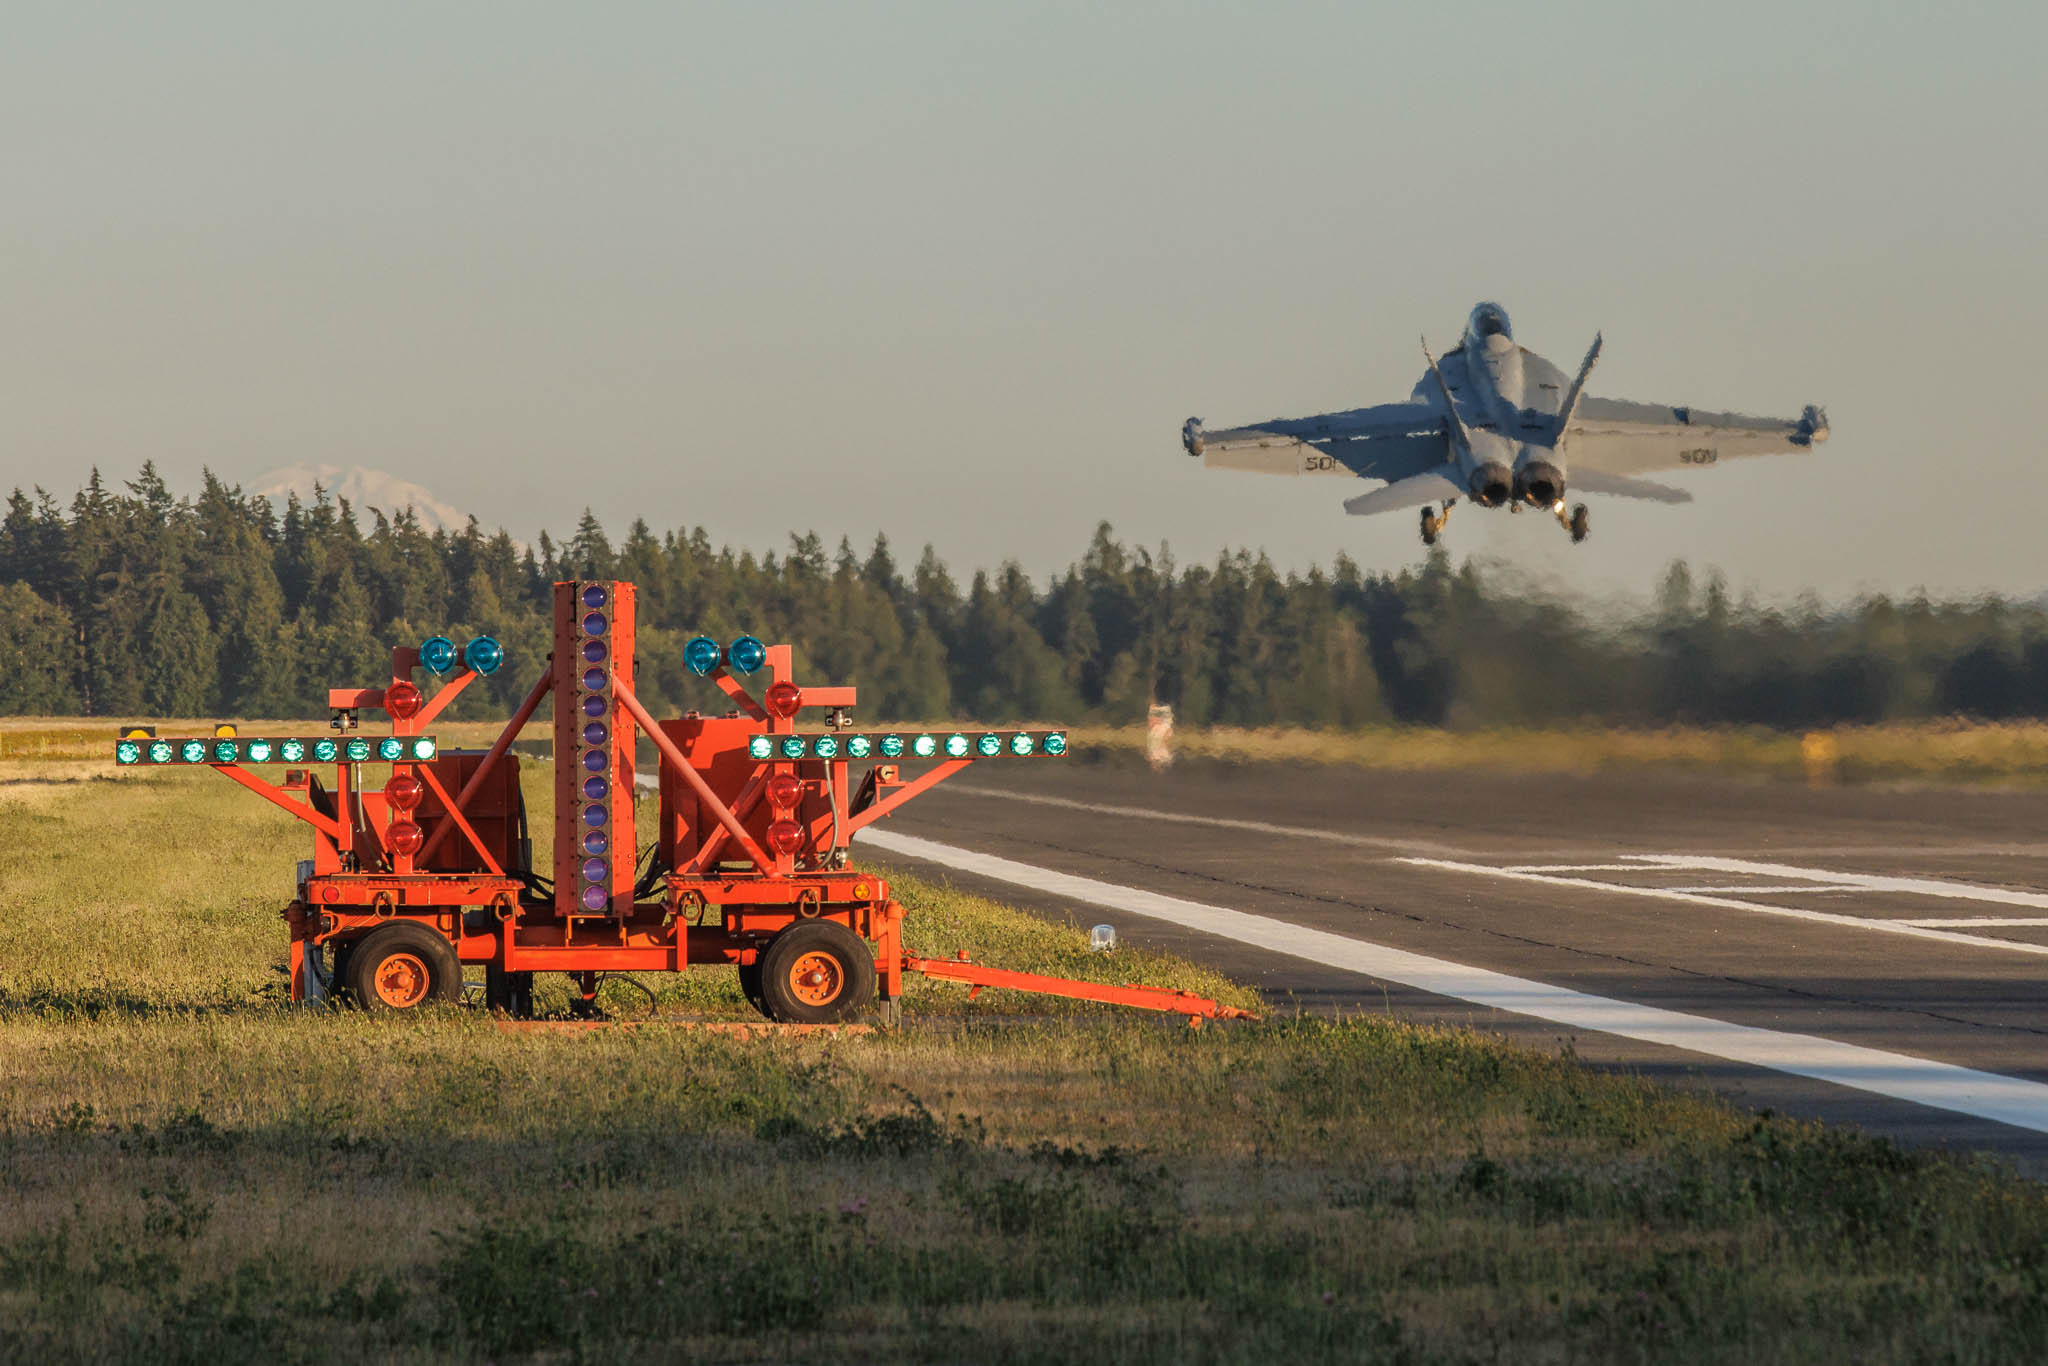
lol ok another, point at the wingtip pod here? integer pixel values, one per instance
(1191, 436)
(1813, 426)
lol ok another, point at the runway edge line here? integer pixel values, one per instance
(1920, 1081)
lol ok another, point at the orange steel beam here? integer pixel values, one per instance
(441, 699)
(1143, 998)
(668, 751)
(497, 752)
(924, 782)
(455, 814)
(749, 798)
(737, 691)
(333, 829)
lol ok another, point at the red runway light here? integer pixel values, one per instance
(783, 791)
(404, 791)
(785, 837)
(783, 699)
(402, 700)
(405, 838)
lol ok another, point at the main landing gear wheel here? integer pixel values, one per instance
(403, 967)
(1578, 524)
(816, 972)
(1433, 523)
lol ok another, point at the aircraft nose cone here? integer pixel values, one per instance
(1491, 484)
(1539, 482)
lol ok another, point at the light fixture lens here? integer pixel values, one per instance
(826, 747)
(193, 751)
(326, 751)
(760, 747)
(1055, 744)
(892, 746)
(859, 746)
(702, 655)
(127, 752)
(747, 654)
(594, 624)
(956, 746)
(358, 749)
(438, 654)
(483, 655)
(160, 751)
(259, 751)
(925, 746)
(593, 595)
(989, 745)
(593, 680)
(1020, 743)
(792, 747)
(291, 751)
(424, 747)
(226, 751)
(390, 748)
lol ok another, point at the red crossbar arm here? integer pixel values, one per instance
(497, 752)
(924, 782)
(441, 699)
(690, 775)
(326, 825)
(455, 814)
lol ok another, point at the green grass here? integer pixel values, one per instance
(194, 1171)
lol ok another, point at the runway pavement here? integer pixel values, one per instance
(1857, 954)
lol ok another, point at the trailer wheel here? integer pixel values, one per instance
(814, 972)
(402, 967)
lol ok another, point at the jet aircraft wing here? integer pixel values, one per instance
(1613, 436)
(1391, 441)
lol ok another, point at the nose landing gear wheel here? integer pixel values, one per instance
(815, 972)
(1578, 524)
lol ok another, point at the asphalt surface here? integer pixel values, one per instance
(1891, 919)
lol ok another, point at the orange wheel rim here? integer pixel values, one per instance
(402, 980)
(816, 979)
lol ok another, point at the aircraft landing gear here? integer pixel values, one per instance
(1433, 521)
(1577, 525)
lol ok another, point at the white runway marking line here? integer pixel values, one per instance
(1902, 927)
(1869, 882)
(1939, 1085)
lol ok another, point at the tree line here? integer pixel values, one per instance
(133, 603)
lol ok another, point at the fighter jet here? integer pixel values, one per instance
(1499, 425)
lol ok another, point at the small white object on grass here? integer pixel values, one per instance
(1102, 938)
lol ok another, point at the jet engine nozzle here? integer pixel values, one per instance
(1191, 435)
(1491, 484)
(1539, 483)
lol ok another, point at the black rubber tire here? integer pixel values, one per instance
(427, 948)
(338, 988)
(750, 985)
(855, 973)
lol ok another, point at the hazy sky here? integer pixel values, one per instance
(959, 272)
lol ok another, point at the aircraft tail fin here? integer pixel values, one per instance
(1455, 426)
(1571, 398)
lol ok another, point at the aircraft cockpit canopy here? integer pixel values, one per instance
(1486, 320)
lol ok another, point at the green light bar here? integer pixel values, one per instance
(995, 744)
(263, 750)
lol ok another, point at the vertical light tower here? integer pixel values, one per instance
(594, 849)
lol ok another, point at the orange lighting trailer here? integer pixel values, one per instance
(748, 865)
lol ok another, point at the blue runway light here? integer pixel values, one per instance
(702, 655)
(483, 655)
(437, 654)
(747, 654)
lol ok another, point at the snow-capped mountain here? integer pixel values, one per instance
(365, 489)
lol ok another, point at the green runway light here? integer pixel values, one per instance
(161, 751)
(424, 747)
(858, 747)
(226, 751)
(793, 747)
(925, 746)
(990, 745)
(127, 752)
(1020, 744)
(193, 751)
(1055, 744)
(760, 747)
(892, 746)
(357, 750)
(826, 747)
(291, 751)
(326, 751)
(259, 751)
(390, 748)
(956, 746)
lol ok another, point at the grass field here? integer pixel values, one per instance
(194, 1171)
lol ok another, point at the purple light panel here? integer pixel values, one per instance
(594, 869)
(595, 815)
(593, 595)
(596, 842)
(594, 652)
(595, 706)
(595, 898)
(596, 733)
(593, 680)
(597, 789)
